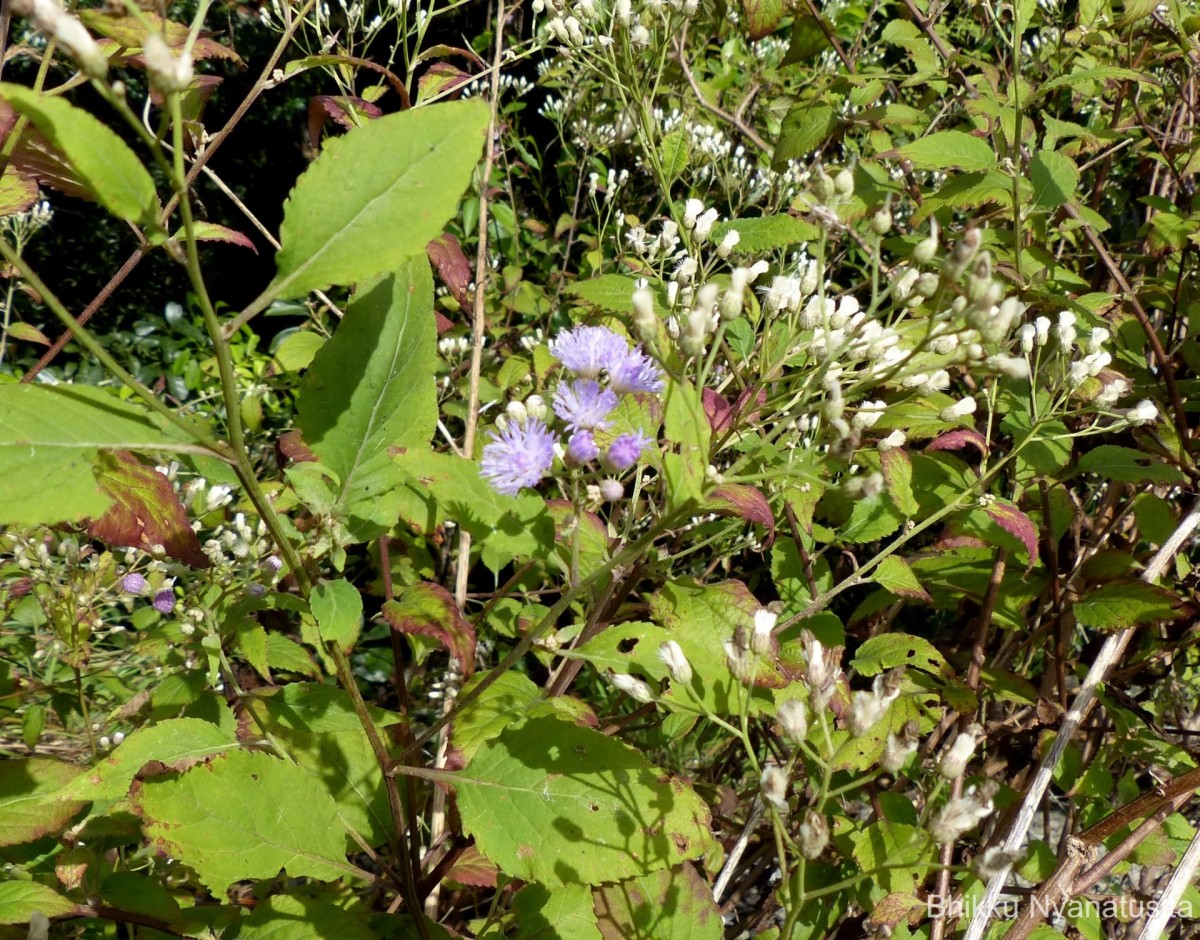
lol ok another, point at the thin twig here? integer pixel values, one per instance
(732, 119)
(1181, 878)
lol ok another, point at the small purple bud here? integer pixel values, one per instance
(626, 450)
(273, 564)
(164, 601)
(582, 447)
(254, 589)
(133, 583)
(611, 490)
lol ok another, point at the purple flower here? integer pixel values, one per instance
(584, 405)
(164, 600)
(625, 451)
(518, 456)
(133, 583)
(588, 350)
(637, 372)
(582, 447)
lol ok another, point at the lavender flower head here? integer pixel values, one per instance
(626, 450)
(582, 448)
(164, 600)
(584, 405)
(133, 583)
(589, 350)
(637, 372)
(518, 456)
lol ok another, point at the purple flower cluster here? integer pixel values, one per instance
(604, 368)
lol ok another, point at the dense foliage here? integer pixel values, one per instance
(689, 471)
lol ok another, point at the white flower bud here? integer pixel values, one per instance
(610, 490)
(535, 407)
(671, 653)
(960, 409)
(900, 747)
(691, 212)
(1144, 412)
(1042, 326)
(1065, 331)
(704, 224)
(764, 627)
(954, 762)
(892, 441)
(774, 786)
(927, 248)
(633, 687)
(961, 815)
(1096, 341)
(843, 183)
(814, 835)
(1012, 366)
(517, 411)
(734, 298)
(729, 241)
(167, 72)
(793, 718)
(868, 414)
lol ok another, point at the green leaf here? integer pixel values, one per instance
(565, 913)
(945, 149)
(50, 437)
(674, 153)
(1121, 604)
(177, 743)
(27, 808)
(320, 729)
(761, 17)
(1127, 465)
(370, 390)
(298, 350)
(905, 849)
(1055, 179)
(243, 816)
(870, 520)
(767, 233)
(804, 130)
(613, 292)
(898, 478)
(112, 173)
(686, 426)
(374, 197)
(338, 609)
(590, 808)
(21, 900)
(898, 649)
(807, 42)
(292, 917)
(673, 904)
(897, 577)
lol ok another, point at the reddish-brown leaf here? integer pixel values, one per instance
(738, 499)
(446, 256)
(473, 869)
(145, 510)
(957, 440)
(290, 448)
(440, 78)
(1017, 524)
(428, 609)
(129, 32)
(341, 109)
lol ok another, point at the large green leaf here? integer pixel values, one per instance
(320, 729)
(376, 196)
(112, 173)
(176, 743)
(767, 233)
(946, 149)
(20, 900)
(674, 904)
(553, 802)
(1123, 604)
(49, 438)
(563, 914)
(26, 810)
(338, 608)
(242, 816)
(371, 390)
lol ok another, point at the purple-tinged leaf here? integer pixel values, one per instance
(451, 265)
(957, 440)
(341, 109)
(897, 470)
(428, 609)
(747, 502)
(211, 232)
(1017, 524)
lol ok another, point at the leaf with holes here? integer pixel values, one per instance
(243, 816)
(428, 609)
(552, 802)
(145, 510)
(673, 904)
(374, 198)
(890, 650)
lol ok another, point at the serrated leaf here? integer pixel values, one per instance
(370, 390)
(957, 440)
(674, 153)
(49, 439)
(744, 501)
(428, 609)
(591, 809)
(21, 900)
(871, 519)
(946, 149)
(321, 730)
(130, 32)
(761, 17)
(375, 197)
(18, 191)
(612, 292)
(807, 42)
(112, 173)
(243, 816)
(767, 233)
(145, 511)
(174, 744)
(1128, 465)
(338, 609)
(27, 808)
(686, 427)
(898, 578)
(906, 852)
(1055, 179)
(891, 650)
(897, 477)
(806, 127)
(673, 904)
(1122, 604)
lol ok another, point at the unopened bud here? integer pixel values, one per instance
(611, 490)
(635, 688)
(793, 718)
(645, 321)
(900, 747)
(954, 762)
(881, 221)
(814, 835)
(764, 626)
(843, 183)
(928, 247)
(671, 653)
(774, 786)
